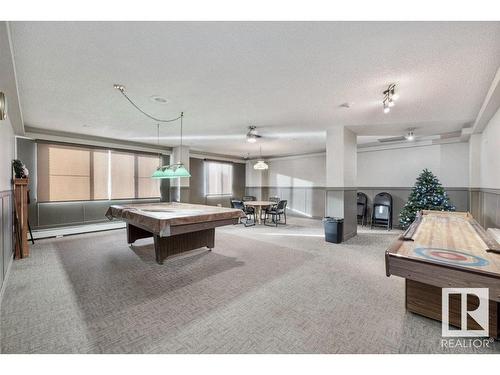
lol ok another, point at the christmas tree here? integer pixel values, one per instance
(427, 194)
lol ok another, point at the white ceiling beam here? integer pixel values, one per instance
(490, 105)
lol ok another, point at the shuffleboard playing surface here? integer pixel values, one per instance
(451, 238)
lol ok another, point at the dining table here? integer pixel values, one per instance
(259, 205)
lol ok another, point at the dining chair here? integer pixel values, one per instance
(276, 213)
(275, 200)
(247, 221)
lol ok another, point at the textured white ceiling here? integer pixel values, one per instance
(287, 78)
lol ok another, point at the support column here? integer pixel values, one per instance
(341, 173)
(476, 197)
(165, 195)
(179, 190)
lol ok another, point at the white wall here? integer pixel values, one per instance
(385, 168)
(296, 171)
(400, 167)
(253, 177)
(489, 158)
(6, 154)
(14, 119)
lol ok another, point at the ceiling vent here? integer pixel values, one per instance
(391, 139)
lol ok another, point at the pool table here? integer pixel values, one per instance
(175, 227)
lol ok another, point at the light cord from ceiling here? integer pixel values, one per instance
(166, 171)
(121, 88)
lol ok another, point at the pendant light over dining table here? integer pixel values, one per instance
(175, 170)
(261, 164)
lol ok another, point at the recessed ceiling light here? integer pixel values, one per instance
(158, 99)
(346, 105)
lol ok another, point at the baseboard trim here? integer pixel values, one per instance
(350, 235)
(485, 190)
(2, 292)
(78, 229)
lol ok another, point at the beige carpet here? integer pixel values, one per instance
(262, 290)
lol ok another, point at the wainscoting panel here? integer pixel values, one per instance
(254, 191)
(214, 200)
(350, 212)
(476, 205)
(2, 234)
(60, 214)
(6, 234)
(51, 214)
(485, 206)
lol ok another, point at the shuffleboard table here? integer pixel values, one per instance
(447, 250)
(175, 227)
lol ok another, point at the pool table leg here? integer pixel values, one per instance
(176, 244)
(135, 233)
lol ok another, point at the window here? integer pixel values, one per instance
(69, 173)
(122, 175)
(146, 186)
(218, 178)
(101, 174)
(64, 173)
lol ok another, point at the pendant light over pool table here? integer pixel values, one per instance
(163, 171)
(173, 170)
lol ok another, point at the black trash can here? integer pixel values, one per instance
(334, 229)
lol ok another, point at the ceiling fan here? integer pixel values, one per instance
(252, 135)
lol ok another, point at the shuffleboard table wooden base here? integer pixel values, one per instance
(175, 227)
(447, 250)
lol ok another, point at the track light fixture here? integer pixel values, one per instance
(390, 97)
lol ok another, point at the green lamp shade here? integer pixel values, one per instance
(158, 174)
(181, 171)
(168, 173)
